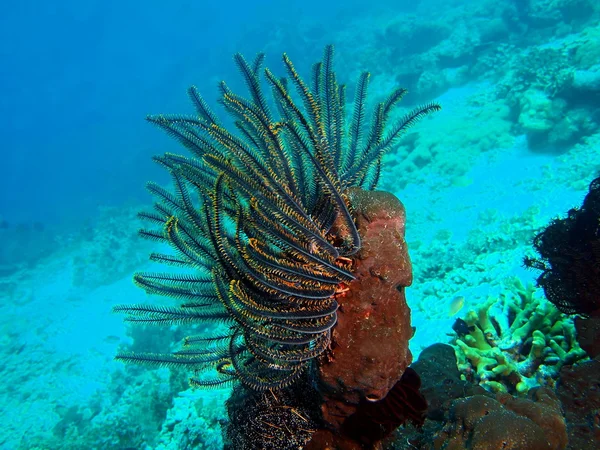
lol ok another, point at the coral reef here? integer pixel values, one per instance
(522, 347)
(438, 54)
(587, 81)
(466, 416)
(573, 168)
(548, 13)
(435, 151)
(503, 70)
(540, 75)
(193, 422)
(135, 409)
(541, 85)
(586, 48)
(473, 266)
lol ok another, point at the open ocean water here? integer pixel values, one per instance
(514, 147)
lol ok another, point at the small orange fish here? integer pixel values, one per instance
(456, 305)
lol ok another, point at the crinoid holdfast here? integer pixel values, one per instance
(263, 218)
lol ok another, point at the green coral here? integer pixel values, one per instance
(517, 342)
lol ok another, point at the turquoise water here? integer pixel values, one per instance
(514, 146)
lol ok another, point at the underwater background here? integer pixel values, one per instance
(515, 145)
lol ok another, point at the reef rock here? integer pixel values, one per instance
(483, 423)
(437, 367)
(588, 334)
(578, 391)
(587, 81)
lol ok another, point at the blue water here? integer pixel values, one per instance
(515, 145)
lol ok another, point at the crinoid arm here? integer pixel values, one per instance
(260, 222)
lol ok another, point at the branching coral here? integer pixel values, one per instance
(517, 342)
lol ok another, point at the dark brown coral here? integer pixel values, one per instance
(484, 423)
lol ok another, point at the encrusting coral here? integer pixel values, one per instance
(517, 342)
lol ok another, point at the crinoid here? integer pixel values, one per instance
(569, 252)
(262, 221)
